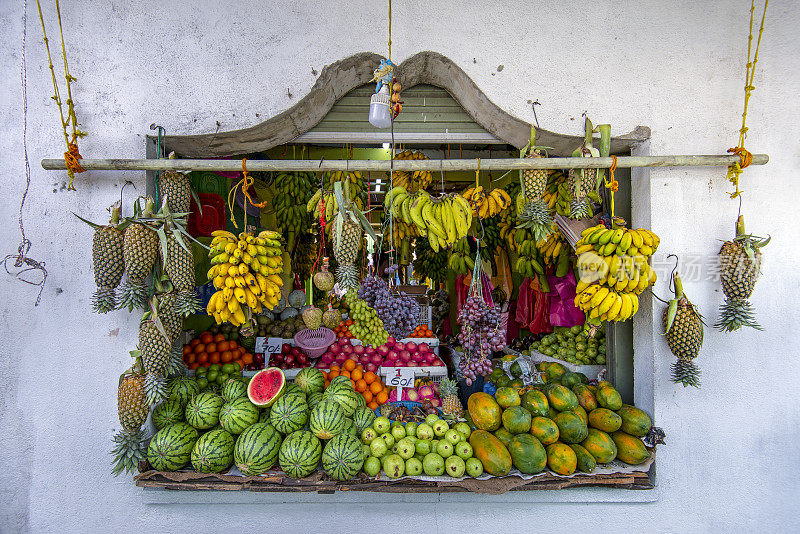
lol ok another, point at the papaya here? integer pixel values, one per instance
(516, 419)
(544, 429)
(582, 414)
(484, 410)
(634, 421)
(551, 412)
(605, 384)
(561, 458)
(600, 445)
(605, 420)
(586, 462)
(554, 372)
(491, 452)
(630, 449)
(570, 379)
(516, 383)
(608, 397)
(592, 388)
(584, 379)
(503, 435)
(527, 454)
(503, 381)
(571, 428)
(561, 398)
(542, 367)
(585, 397)
(536, 403)
(507, 396)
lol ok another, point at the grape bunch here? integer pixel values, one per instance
(480, 335)
(367, 326)
(400, 314)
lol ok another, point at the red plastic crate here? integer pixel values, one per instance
(213, 217)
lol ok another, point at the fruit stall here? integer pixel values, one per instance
(380, 316)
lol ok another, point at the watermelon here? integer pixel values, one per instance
(234, 389)
(168, 412)
(341, 379)
(213, 452)
(202, 411)
(347, 399)
(327, 419)
(362, 402)
(171, 447)
(291, 387)
(238, 414)
(299, 454)
(363, 418)
(310, 380)
(343, 457)
(182, 389)
(289, 413)
(256, 449)
(264, 416)
(266, 386)
(314, 398)
(350, 428)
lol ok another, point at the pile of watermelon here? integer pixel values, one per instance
(259, 424)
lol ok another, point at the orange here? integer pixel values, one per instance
(327, 383)
(187, 349)
(194, 366)
(218, 338)
(324, 374)
(191, 357)
(212, 347)
(334, 367)
(213, 357)
(222, 346)
(353, 385)
(226, 356)
(202, 358)
(376, 387)
(232, 345)
(369, 377)
(373, 405)
(199, 348)
(344, 373)
(357, 374)
(367, 396)
(247, 359)
(333, 374)
(349, 365)
(207, 338)
(382, 397)
(195, 341)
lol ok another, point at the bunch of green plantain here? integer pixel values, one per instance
(528, 263)
(353, 187)
(461, 260)
(491, 240)
(429, 264)
(291, 193)
(443, 220)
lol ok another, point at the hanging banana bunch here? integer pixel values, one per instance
(323, 201)
(291, 194)
(485, 204)
(443, 220)
(411, 181)
(461, 260)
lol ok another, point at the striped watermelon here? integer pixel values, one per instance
(300, 454)
(363, 418)
(347, 399)
(238, 414)
(182, 389)
(289, 413)
(234, 389)
(349, 427)
(362, 402)
(166, 413)
(343, 457)
(213, 452)
(171, 447)
(341, 379)
(264, 416)
(314, 398)
(310, 380)
(291, 387)
(327, 419)
(257, 449)
(202, 411)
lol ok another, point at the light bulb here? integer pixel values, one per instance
(380, 112)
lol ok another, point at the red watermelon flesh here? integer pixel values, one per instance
(266, 387)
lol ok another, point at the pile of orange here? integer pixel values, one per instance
(208, 348)
(367, 383)
(343, 330)
(422, 331)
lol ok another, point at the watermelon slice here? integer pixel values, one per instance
(266, 387)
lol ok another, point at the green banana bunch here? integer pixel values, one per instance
(528, 263)
(461, 260)
(323, 201)
(429, 264)
(291, 193)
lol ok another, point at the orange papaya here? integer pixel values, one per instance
(544, 429)
(608, 397)
(630, 449)
(561, 458)
(582, 414)
(527, 454)
(484, 410)
(634, 421)
(571, 428)
(535, 402)
(605, 420)
(503, 435)
(570, 379)
(586, 462)
(516, 420)
(554, 372)
(585, 397)
(507, 396)
(600, 445)
(491, 452)
(561, 398)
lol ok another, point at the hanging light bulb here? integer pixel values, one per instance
(380, 111)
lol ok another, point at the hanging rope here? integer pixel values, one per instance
(745, 157)
(612, 184)
(72, 156)
(22, 263)
(244, 184)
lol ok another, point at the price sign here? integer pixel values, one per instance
(401, 377)
(268, 345)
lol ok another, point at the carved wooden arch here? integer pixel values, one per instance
(341, 77)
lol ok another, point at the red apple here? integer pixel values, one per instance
(411, 346)
(423, 347)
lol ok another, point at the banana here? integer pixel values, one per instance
(608, 302)
(625, 242)
(613, 312)
(432, 224)
(627, 306)
(598, 297)
(223, 233)
(605, 237)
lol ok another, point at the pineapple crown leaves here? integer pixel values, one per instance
(136, 369)
(114, 221)
(749, 241)
(349, 209)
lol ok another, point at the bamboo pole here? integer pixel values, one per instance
(401, 165)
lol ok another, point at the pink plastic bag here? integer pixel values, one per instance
(562, 301)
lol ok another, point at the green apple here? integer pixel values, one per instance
(405, 448)
(464, 450)
(440, 428)
(413, 467)
(455, 466)
(368, 434)
(422, 446)
(433, 465)
(411, 430)
(453, 436)
(431, 419)
(444, 448)
(424, 431)
(394, 466)
(378, 447)
(388, 439)
(474, 467)
(381, 424)
(372, 466)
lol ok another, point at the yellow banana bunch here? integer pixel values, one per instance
(551, 248)
(507, 229)
(323, 201)
(245, 270)
(485, 204)
(442, 220)
(601, 303)
(411, 181)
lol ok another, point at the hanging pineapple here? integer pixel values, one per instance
(683, 327)
(173, 325)
(108, 260)
(132, 408)
(179, 266)
(740, 265)
(349, 226)
(448, 392)
(155, 348)
(533, 212)
(582, 183)
(140, 247)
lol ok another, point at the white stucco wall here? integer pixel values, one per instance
(676, 66)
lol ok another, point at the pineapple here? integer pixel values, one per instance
(132, 408)
(740, 265)
(448, 392)
(173, 325)
(346, 245)
(347, 276)
(179, 265)
(683, 326)
(534, 181)
(140, 247)
(176, 190)
(109, 262)
(155, 349)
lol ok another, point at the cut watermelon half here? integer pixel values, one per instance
(266, 387)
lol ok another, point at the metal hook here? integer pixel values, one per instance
(121, 191)
(672, 274)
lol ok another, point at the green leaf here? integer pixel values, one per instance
(90, 223)
(162, 239)
(365, 224)
(672, 311)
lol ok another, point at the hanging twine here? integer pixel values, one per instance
(244, 184)
(745, 157)
(612, 184)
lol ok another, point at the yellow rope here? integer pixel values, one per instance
(244, 184)
(612, 184)
(72, 155)
(735, 170)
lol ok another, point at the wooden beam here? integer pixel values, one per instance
(401, 165)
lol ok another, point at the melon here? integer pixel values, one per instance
(266, 386)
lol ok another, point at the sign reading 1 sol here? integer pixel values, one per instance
(402, 377)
